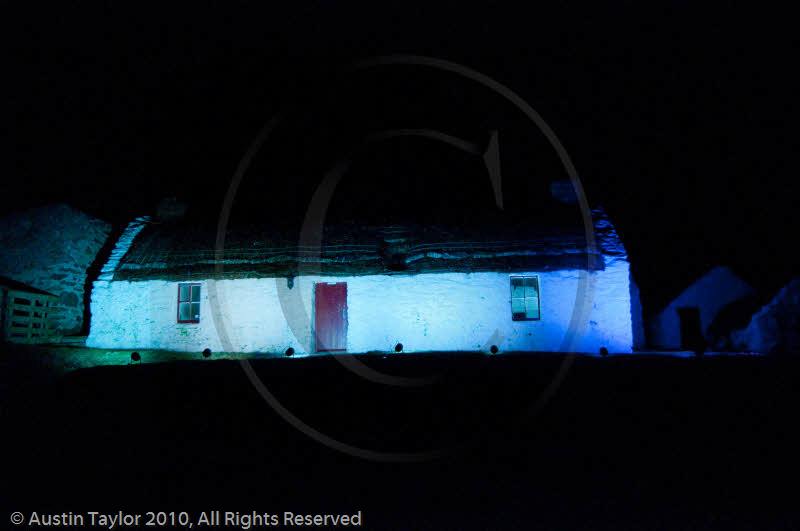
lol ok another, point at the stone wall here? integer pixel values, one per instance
(776, 326)
(51, 248)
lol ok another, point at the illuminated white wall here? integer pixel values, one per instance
(436, 311)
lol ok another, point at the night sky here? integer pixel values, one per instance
(681, 122)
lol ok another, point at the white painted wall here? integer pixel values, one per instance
(709, 294)
(436, 311)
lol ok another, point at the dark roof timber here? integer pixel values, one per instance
(367, 267)
(13, 285)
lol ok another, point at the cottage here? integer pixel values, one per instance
(389, 288)
(684, 322)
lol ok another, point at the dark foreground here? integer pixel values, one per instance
(624, 443)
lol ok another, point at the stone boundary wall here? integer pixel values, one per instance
(51, 248)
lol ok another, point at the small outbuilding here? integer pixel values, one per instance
(684, 323)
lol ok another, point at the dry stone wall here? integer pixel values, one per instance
(51, 248)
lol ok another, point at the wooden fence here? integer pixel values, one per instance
(27, 317)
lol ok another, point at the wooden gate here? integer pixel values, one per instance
(27, 317)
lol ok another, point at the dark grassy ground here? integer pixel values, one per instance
(625, 443)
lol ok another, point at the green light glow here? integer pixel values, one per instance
(62, 359)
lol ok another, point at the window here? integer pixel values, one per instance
(188, 303)
(525, 298)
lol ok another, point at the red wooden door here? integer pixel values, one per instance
(330, 316)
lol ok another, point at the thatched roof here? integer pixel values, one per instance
(184, 251)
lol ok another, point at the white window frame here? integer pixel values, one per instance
(514, 315)
(190, 301)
